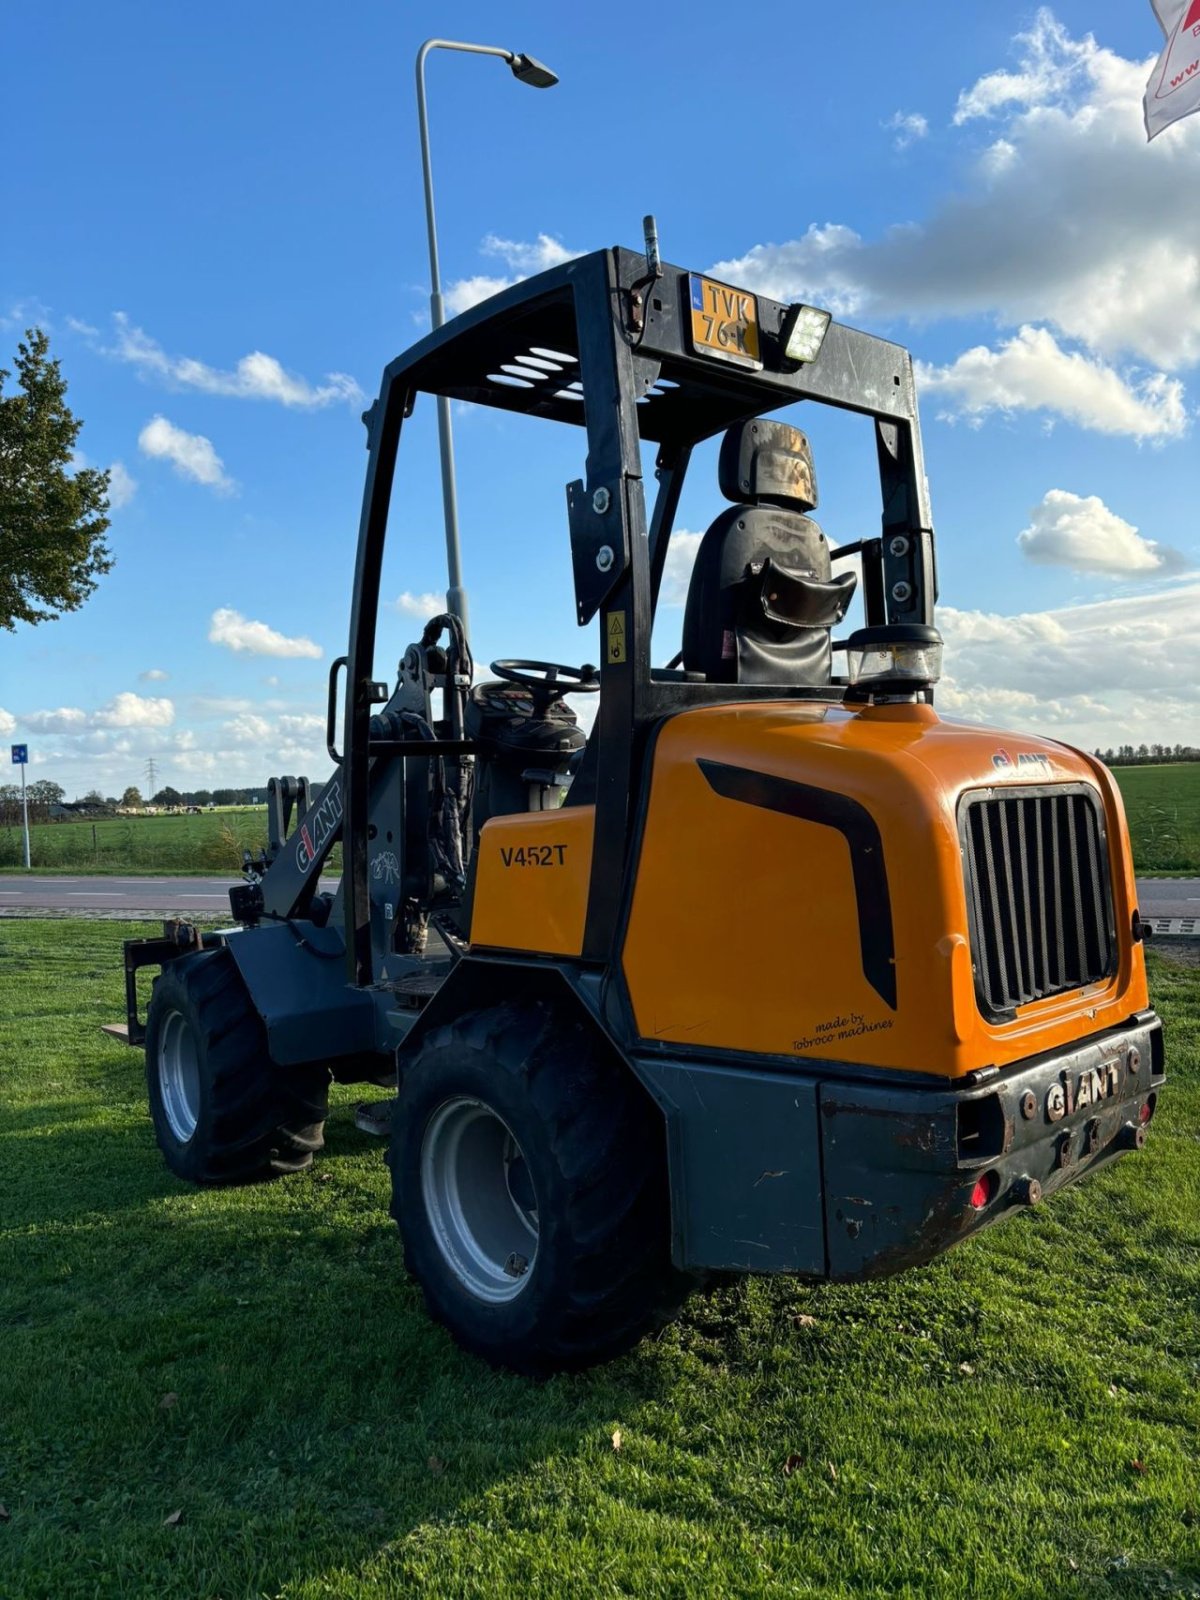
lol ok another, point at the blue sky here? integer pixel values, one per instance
(217, 216)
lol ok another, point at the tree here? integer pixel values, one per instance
(168, 797)
(132, 798)
(94, 798)
(52, 521)
(46, 793)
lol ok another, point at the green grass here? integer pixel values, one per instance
(152, 846)
(1162, 804)
(1163, 808)
(1019, 1418)
(210, 842)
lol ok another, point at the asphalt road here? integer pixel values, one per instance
(1169, 897)
(158, 896)
(1157, 897)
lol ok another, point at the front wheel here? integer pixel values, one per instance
(223, 1111)
(529, 1185)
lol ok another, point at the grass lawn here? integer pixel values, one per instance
(237, 1393)
(1163, 808)
(1162, 804)
(162, 846)
(210, 842)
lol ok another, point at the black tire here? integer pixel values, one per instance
(240, 1118)
(594, 1150)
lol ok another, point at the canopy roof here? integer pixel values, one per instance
(520, 350)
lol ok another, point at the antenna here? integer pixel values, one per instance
(653, 263)
(637, 291)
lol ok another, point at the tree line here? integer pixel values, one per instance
(44, 795)
(1142, 755)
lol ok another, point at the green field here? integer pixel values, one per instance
(1163, 807)
(237, 1393)
(210, 842)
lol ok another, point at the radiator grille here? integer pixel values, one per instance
(1039, 894)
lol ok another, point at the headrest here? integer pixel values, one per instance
(768, 463)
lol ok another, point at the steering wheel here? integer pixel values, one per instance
(547, 677)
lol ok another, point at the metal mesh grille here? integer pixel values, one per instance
(1039, 894)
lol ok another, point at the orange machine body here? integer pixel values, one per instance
(746, 925)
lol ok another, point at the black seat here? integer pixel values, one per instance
(761, 602)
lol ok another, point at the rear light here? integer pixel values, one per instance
(984, 1191)
(1147, 1109)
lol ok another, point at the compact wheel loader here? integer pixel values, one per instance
(773, 971)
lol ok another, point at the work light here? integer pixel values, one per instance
(803, 332)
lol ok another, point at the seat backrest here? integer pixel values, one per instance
(761, 602)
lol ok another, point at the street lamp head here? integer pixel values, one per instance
(531, 71)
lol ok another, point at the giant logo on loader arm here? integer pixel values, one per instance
(857, 826)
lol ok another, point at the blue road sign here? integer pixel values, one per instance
(20, 755)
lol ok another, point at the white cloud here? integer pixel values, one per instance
(153, 675)
(1080, 532)
(191, 454)
(8, 722)
(238, 633)
(256, 376)
(1032, 372)
(248, 729)
(23, 314)
(66, 719)
(122, 485)
(127, 710)
(124, 710)
(421, 606)
(1105, 673)
(1052, 62)
(1066, 218)
(467, 292)
(677, 570)
(908, 126)
(522, 257)
(525, 257)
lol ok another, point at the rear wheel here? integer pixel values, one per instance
(529, 1185)
(223, 1111)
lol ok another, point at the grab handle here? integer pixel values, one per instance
(331, 709)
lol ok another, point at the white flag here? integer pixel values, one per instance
(1174, 87)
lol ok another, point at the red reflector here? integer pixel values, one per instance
(984, 1191)
(1147, 1110)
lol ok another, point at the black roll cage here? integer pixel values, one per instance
(605, 343)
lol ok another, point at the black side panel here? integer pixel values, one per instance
(857, 826)
(743, 1150)
(300, 992)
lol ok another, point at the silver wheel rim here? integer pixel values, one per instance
(479, 1199)
(179, 1075)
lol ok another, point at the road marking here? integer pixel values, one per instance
(95, 894)
(200, 897)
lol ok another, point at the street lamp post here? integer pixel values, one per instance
(527, 70)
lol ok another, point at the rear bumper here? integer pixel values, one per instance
(900, 1167)
(847, 1179)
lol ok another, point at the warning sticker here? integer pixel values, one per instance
(616, 636)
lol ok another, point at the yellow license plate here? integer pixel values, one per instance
(724, 321)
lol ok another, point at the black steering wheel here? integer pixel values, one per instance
(549, 678)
